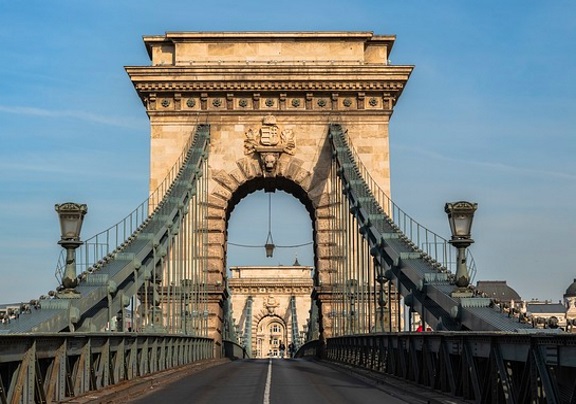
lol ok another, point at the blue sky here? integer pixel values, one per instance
(487, 116)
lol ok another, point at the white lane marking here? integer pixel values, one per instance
(268, 383)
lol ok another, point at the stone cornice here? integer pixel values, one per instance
(325, 76)
(268, 35)
(276, 68)
(288, 86)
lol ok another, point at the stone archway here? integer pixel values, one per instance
(291, 177)
(271, 331)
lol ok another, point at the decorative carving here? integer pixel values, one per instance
(256, 101)
(177, 101)
(165, 103)
(361, 97)
(373, 102)
(295, 102)
(243, 102)
(334, 99)
(151, 101)
(204, 101)
(321, 102)
(271, 304)
(269, 143)
(190, 102)
(309, 97)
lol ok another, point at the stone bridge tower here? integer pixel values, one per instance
(269, 98)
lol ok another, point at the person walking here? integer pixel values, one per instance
(291, 349)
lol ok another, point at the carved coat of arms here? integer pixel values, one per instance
(269, 143)
(271, 304)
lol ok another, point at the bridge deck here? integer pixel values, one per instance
(283, 380)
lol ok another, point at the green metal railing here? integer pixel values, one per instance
(479, 367)
(53, 367)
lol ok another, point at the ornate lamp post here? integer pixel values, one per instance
(71, 216)
(382, 298)
(460, 215)
(302, 338)
(352, 290)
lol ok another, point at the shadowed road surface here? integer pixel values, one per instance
(264, 381)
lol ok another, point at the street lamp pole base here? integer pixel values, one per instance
(69, 294)
(462, 293)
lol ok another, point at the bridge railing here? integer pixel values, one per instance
(53, 367)
(311, 349)
(431, 243)
(480, 367)
(233, 350)
(96, 248)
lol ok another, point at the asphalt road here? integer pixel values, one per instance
(273, 381)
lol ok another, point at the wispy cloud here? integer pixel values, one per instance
(33, 167)
(74, 114)
(491, 165)
(98, 166)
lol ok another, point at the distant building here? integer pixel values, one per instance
(545, 314)
(570, 306)
(12, 311)
(542, 314)
(499, 291)
(271, 306)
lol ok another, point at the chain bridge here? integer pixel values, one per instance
(306, 113)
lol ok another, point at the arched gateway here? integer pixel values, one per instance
(269, 99)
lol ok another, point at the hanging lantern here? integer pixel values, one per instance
(269, 246)
(269, 249)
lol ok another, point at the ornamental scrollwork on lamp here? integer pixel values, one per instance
(268, 144)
